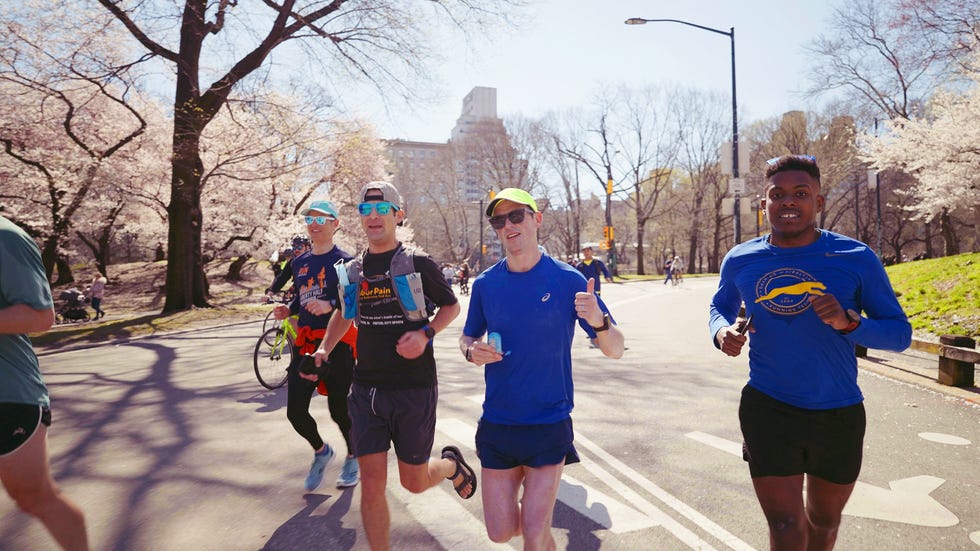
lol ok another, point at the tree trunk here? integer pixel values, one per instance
(640, 256)
(950, 242)
(186, 281)
(235, 268)
(692, 249)
(927, 229)
(976, 228)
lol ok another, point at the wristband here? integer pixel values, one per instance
(430, 333)
(604, 326)
(469, 353)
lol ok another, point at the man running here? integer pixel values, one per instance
(315, 300)
(26, 306)
(801, 413)
(529, 302)
(393, 397)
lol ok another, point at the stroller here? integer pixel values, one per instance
(72, 308)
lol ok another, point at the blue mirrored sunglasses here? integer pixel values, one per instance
(318, 219)
(383, 208)
(774, 160)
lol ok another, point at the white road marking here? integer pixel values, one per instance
(907, 501)
(702, 521)
(944, 438)
(620, 517)
(975, 537)
(432, 509)
(727, 446)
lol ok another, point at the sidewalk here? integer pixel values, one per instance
(918, 368)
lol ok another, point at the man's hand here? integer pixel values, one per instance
(587, 306)
(483, 353)
(829, 311)
(730, 339)
(609, 280)
(412, 344)
(280, 311)
(319, 307)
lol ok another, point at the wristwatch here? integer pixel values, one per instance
(854, 320)
(604, 326)
(430, 333)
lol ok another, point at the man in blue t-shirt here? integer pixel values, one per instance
(529, 303)
(801, 413)
(25, 414)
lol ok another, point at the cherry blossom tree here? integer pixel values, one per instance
(382, 41)
(940, 151)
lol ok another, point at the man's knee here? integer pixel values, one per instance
(32, 500)
(785, 524)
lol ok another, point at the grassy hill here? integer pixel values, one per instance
(940, 295)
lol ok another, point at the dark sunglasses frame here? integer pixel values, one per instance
(515, 216)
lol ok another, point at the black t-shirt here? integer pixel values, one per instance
(382, 323)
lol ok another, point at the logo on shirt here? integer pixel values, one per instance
(303, 271)
(545, 297)
(787, 290)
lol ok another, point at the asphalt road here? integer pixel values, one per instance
(169, 443)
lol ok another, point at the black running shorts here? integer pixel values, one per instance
(18, 422)
(403, 416)
(784, 440)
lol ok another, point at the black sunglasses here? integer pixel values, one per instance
(515, 216)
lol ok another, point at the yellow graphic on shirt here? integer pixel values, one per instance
(786, 291)
(805, 287)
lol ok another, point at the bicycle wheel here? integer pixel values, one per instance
(270, 322)
(270, 361)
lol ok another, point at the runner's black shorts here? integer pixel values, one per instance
(18, 422)
(784, 440)
(508, 446)
(403, 416)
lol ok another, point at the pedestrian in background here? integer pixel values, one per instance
(593, 268)
(26, 306)
(810, 296)
(96, 292)
(529, 303)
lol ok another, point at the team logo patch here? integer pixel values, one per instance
(545, 297)
(303, 271)
(786, 290)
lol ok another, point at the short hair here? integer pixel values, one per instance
(785, 163)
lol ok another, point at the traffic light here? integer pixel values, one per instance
(607, 234)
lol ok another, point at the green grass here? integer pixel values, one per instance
(940, 295)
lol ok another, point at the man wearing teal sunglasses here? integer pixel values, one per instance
(393, 397)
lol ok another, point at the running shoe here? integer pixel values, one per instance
(349, 475)
(320, 462)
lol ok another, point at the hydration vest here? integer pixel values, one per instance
(406, 282)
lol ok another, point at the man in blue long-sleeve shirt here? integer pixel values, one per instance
(802, 415)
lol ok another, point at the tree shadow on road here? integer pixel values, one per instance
(305, 530)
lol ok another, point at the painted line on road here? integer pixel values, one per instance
(905, 501)
(443, 516)
(688, 512)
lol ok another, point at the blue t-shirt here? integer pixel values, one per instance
(22, 281)
(595, 269)
(534, 313)
(795, 357)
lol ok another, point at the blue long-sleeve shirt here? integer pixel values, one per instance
(795, 357)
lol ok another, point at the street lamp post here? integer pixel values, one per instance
(730, 34)
(479, 263)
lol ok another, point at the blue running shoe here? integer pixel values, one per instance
(349, 475)
(320, 462)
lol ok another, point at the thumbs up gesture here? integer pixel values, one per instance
(587, 305)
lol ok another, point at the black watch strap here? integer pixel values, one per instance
(429, 332)
(604, 326)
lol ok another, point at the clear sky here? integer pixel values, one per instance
(568, 48)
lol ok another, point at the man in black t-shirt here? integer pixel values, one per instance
(393, 396)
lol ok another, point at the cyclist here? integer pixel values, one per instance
(677, 269)
(315, 286)
(300, 245)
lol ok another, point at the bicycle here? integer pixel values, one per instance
(285, 297)
(273, 352)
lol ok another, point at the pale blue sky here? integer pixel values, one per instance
(569, 47)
